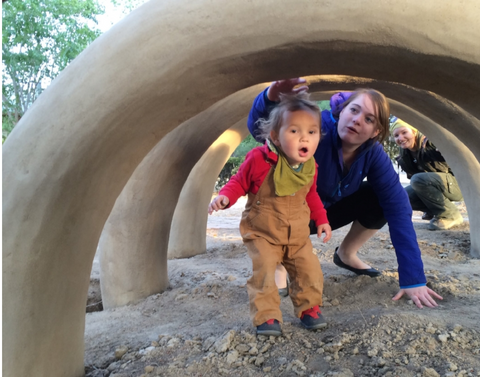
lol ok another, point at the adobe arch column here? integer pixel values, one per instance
(134, 242)
(464, 164)
(189, 223)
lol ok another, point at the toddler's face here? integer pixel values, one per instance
(299, 135)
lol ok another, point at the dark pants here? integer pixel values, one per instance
(434, 193)
(362, 205)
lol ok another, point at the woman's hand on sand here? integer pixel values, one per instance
(419, 295)
(220, 202)
(324, 228)
(286, 87)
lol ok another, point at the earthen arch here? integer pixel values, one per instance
(134, 242)
(72, 153)
(135, 239)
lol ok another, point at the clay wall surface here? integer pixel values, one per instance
(71, 155)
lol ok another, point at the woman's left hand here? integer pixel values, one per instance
(419, 295)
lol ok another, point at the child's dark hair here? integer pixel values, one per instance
(291, 103)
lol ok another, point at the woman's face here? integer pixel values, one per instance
(404, 137)
(358, 122)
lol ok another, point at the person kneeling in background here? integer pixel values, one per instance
(433, 187)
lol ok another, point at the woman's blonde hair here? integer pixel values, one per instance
(291, 103)
(382, 109)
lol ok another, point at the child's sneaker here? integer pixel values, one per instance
(270, 328)
(313, 319)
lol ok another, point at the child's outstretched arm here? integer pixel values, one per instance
(324, 228)
(220, 202)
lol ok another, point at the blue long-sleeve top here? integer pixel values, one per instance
(373, 163)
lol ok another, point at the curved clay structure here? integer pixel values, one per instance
(67, 161)
(134, 243)
(190, 215)
(134, 240)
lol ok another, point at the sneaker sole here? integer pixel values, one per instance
(269, 333)
(316, 327)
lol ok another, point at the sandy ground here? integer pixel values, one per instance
(200, 326)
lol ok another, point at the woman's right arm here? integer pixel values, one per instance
(260, 110)
(266, 100)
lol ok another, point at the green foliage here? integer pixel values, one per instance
(323, 105)
(230, 168)
(7, 127)
(245, 146)
(39, 39)
(238, 156)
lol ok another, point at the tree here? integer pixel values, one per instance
(245, 146)
(39, 39)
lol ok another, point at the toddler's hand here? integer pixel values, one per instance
(324, 228)
(220, 202)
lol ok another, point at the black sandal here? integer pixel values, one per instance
(372, 272)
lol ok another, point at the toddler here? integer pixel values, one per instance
(280, 179)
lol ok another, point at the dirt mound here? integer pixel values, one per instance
(200, 326)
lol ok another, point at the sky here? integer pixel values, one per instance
(111, 16)
(114, 13)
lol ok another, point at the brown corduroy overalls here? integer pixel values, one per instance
(275, 230)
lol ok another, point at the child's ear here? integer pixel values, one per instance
(274, 138)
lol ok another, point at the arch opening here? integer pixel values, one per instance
(74, 151)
